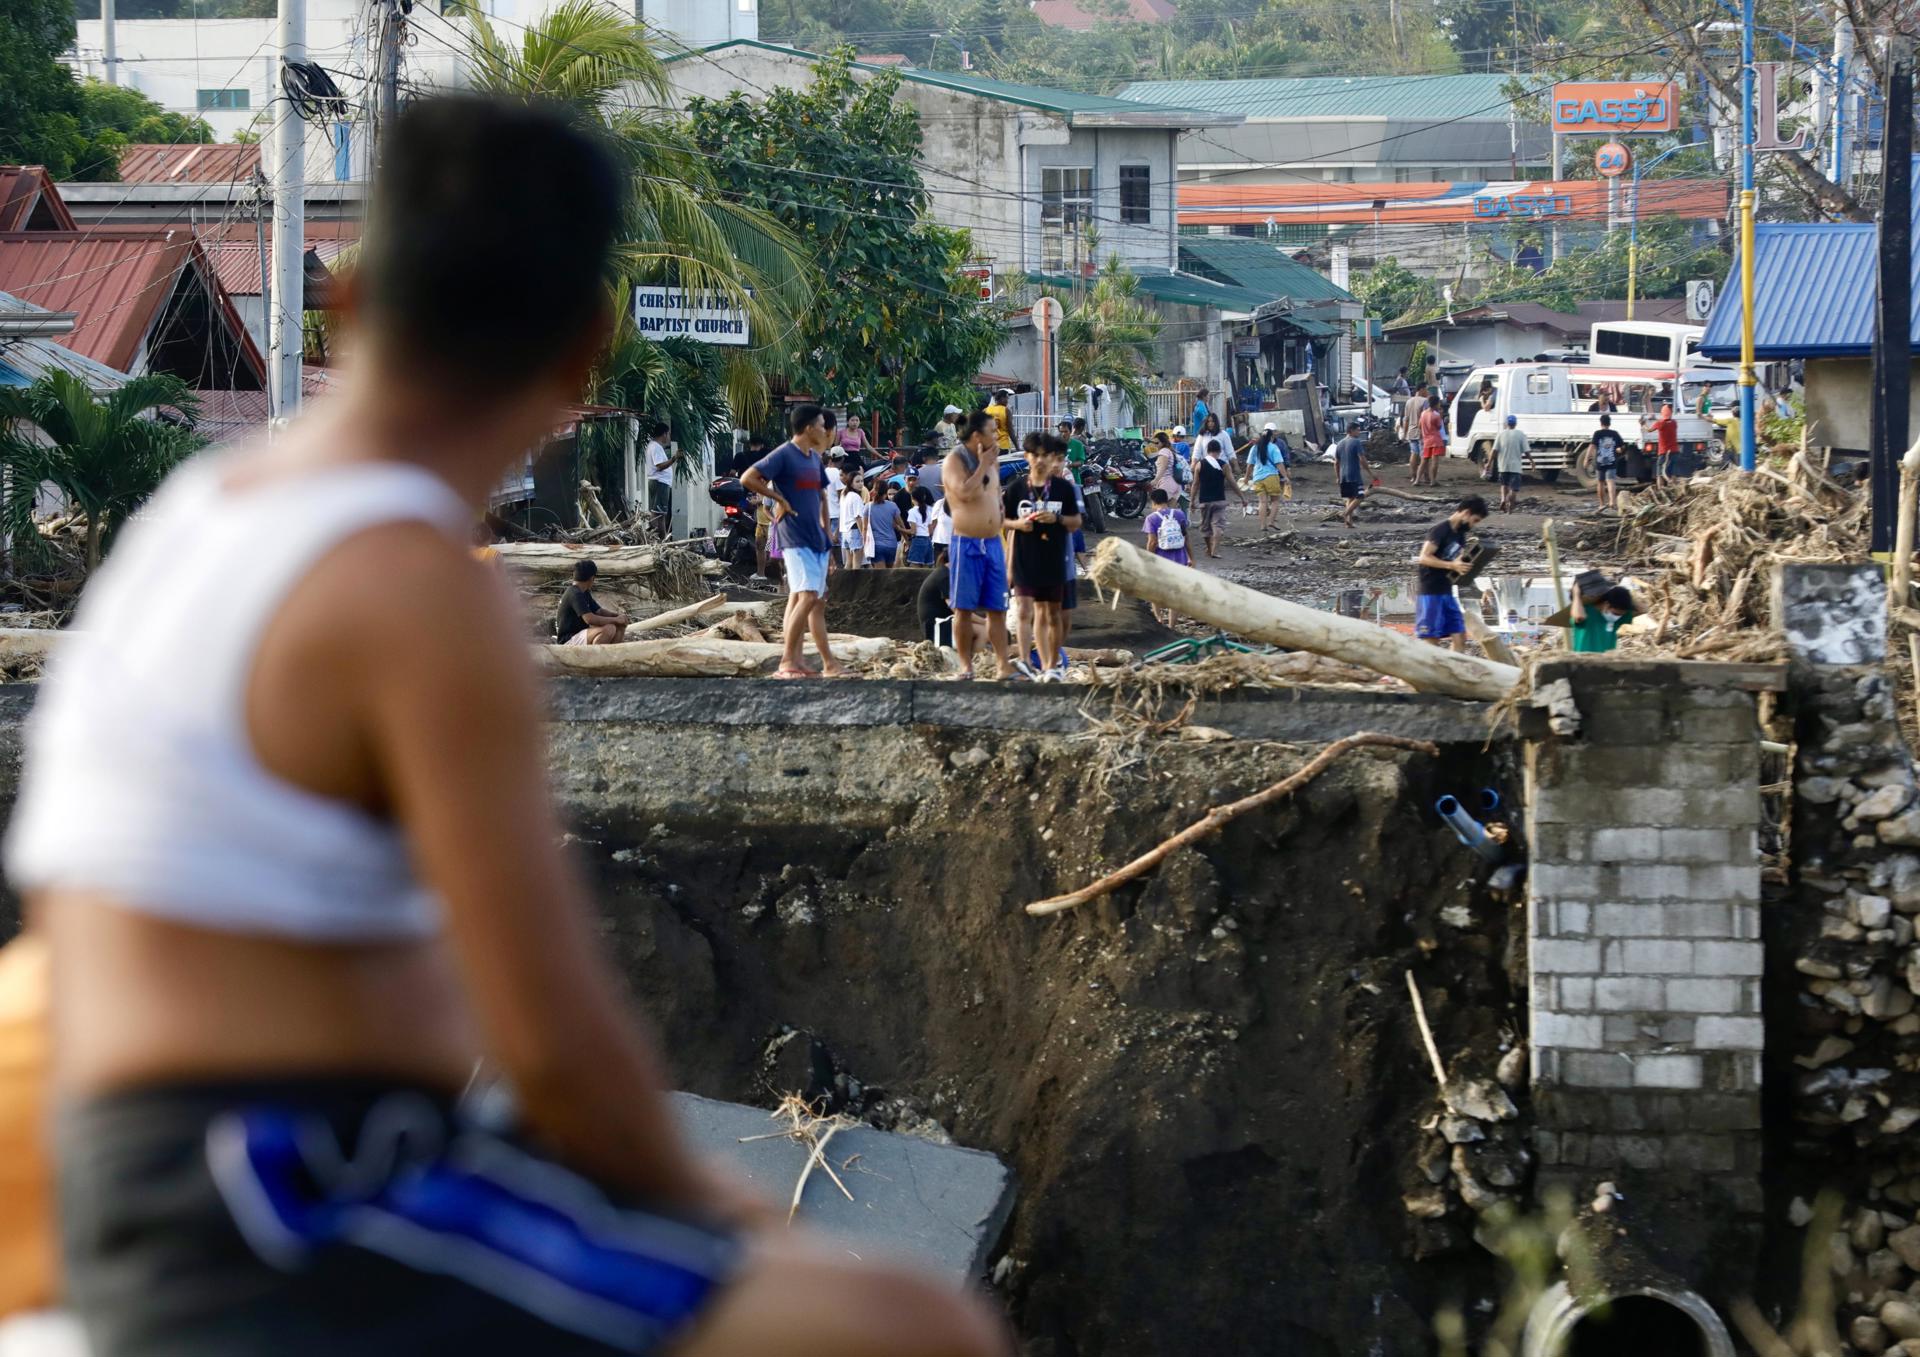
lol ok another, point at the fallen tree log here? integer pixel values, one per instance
(673, 615)
(557, 558)
(18, 644)
(691, 657)
(1261, 617)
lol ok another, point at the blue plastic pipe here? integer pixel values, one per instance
(1469, 830)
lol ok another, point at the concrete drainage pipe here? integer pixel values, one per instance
(1636, 1321)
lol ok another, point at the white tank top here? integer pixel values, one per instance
(140, 780)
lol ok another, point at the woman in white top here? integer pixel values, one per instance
(942, 531)
(289, 842)
(853, 522)
(920, 520)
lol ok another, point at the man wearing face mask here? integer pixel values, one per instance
(1596, 624)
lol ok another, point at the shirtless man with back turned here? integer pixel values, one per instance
(977, 558)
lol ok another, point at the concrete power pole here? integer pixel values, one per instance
(286, 340)
(108, 58)
(391, 28)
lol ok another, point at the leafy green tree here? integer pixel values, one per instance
(107, 455)
(683, 227)
(893, 322)
(1390, 290)
(1109, 337)
(115, 116)
(40, 120)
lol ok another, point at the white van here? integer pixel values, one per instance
(1558, 407)
(1644, 344)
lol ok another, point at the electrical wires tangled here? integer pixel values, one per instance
(311, 92)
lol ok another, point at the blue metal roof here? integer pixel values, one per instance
(1813, 292)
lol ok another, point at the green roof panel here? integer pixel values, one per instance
(1428, 98)
(1179, 289)
(1257, 266)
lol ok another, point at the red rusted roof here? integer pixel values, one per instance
(115, 280)
(1070, 14)
(144, 163)
(235, 250)
(30, 202)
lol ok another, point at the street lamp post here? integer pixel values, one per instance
(1633, 220)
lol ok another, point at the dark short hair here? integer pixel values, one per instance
(976, 422)
(1606, 421)
(1618, 597)
(803, 416)
(1213, 444)
(1079, 423)
(1159, 497)
(1474, 505)
(584, 570)
(659, 427)
(479, 277)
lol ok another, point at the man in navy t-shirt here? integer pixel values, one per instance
(794, 477)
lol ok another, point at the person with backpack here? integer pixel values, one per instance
(1166, 529)
(1271, 477)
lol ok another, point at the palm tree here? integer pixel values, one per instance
(1109, 337)
(680, 228)
(105, 454)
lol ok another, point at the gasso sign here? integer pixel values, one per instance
(1614, 107)
(675, 313)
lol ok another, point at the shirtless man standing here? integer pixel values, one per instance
(977, 559)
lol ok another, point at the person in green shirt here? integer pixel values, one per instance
(1596, 625)
(1074, 431)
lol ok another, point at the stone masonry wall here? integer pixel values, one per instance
(1644, 937)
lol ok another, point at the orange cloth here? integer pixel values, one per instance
(27, 1250)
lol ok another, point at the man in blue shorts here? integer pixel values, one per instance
(794, 477)
(1436, 612)
(977, 560)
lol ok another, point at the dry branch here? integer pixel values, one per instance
(673, 615)
(1212, 821)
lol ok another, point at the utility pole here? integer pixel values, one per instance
(286, 340)
(1842, 56)
(260, 209)
(1893, 310)
(392, 30)
(1747, 379)
(108, 57)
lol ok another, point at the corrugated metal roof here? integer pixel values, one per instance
(1813, 293)
(31, 356)
(30, 202)
(235, 252)
(1078, 109)
(1258, 267)
(114, 280)
(1430, 98)
(1180, 289)
(146, 163)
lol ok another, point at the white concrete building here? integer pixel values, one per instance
(226, 70)
(1031, 172)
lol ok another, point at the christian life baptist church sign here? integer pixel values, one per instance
(675, 313)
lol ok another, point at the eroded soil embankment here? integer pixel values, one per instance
(1209, 1085)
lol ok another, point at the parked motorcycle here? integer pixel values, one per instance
(734, 541)
(1123, 486)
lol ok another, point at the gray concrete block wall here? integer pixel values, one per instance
(1644, 931)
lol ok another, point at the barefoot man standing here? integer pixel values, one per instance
(794, 477)
(977, 559)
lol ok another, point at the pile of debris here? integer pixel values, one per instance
(1709, 548)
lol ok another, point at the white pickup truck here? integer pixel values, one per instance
(1558, 407)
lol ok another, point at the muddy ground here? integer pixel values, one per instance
(1209, 1084)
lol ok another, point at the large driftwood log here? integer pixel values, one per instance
(672, 615)
(1261, 617)
(690, 657)
(557, 558)
(18, 644)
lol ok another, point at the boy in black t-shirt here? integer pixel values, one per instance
(1607, 444)
(1041, 512)
(581, 620)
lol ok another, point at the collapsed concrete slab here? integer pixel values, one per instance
(940, 1206)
